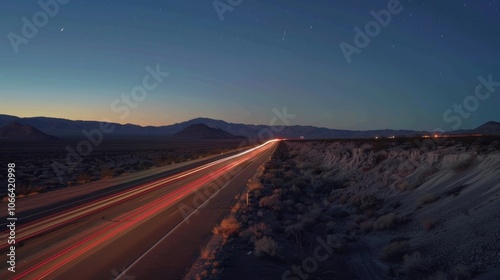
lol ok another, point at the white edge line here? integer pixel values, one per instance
(189, 172)
(178, 225)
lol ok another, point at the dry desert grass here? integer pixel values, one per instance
(385, 210)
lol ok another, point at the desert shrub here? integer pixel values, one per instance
(427, 199)
(359, 218)
(312, 215)
(366, 226)
(300, 208)
(365, 202)
(227, 227)
(255, 184)
(83, 178)
(203, 275)
(294, 229)
(387, 221)
(413, 264)
(236, 207)
(278, 191)
(23, 189)
(351, 227)
(206, 253)
(330, 226)
(215, 271)
(338, 242)
(309, 221)
(428, 224)
(295, 190)
(289, 204)
(318, 186)
(266, 246)
(272, 202)
(343, 199)
(370, 213)
(107, 173)
(464, 164)
(395, 251)
(245, 218)
(255, 232)
(289, 174)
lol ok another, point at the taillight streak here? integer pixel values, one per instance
(127, 222)
(35, 228)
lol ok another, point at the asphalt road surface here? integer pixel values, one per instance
(137, 230)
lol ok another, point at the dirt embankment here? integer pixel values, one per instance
(379, 210)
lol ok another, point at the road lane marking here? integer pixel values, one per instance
(131, 220)
(31, 229)
(124, 272)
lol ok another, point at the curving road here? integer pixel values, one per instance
(147, 230)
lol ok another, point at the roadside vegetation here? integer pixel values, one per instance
(382, 209)
(111, 159)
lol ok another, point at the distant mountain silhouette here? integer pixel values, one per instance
(204, 132)
(491, 128)
(63, 128)
(19, 132)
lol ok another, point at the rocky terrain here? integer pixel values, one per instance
(400, 209)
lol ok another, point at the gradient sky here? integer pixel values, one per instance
(265, 54)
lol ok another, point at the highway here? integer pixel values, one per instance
(147, 230)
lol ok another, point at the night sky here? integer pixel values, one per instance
(256, 56)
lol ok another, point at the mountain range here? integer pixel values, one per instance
(19, 132)
(63, 128)
(203, 132)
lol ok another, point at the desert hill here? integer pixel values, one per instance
(19, 132)
(204, 132)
